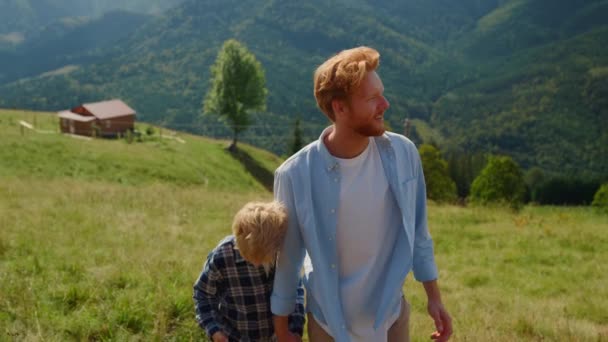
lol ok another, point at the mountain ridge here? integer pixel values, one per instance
(482, 59)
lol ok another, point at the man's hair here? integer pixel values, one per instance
(259, 229)
(340, 75)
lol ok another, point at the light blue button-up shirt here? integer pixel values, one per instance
(306, 184)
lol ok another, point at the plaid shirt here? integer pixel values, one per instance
(233, 296)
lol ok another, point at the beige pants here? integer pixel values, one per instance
(398, 332)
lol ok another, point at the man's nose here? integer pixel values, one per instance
(386, 103)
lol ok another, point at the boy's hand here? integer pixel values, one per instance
(219, 337)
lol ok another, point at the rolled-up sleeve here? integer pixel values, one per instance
(291, 256)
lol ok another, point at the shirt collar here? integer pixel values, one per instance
(238, 258)
(237, 255)
(330, 162)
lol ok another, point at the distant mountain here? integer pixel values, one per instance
(25, 16)
(69, 42)
(520, 77)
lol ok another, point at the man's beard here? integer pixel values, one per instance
(370, 130)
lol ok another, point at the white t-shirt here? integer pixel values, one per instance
(368, 223)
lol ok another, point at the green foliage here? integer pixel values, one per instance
(31, 15)
(150, 130)
(238, 86)
(559, 190)
(439, 186)
(463, 169)
(600, 199)
(501, 181)
(534, 178)
(501, 77)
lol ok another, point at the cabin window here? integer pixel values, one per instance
(108, 124)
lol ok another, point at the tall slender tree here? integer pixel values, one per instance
(296, 141)
(237, 87)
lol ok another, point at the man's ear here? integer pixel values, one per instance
(339, 107)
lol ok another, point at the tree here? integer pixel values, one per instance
(500, 181)
(562, 190)
(600, 200)
(296, 143)
(237, 87)
(534, 178)
(464, 168)
(439, 186)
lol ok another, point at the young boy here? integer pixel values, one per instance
(232, 294)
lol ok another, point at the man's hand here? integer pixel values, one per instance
(289, 337)
(219, 337)
(442, 319)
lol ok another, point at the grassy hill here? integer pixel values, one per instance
(102, 240)
(189, 161)
(93, 229)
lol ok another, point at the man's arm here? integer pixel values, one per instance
(206, 300)
(443, 321)
(425, 268)
(291, 256)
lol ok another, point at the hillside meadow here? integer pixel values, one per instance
(102, 240)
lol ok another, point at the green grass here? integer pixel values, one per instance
(89, 256)
(87, 259)
(539, 274)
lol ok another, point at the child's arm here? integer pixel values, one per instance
(206, 297)
(298, 317)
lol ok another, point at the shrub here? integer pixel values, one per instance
(149, 130)
(439, 186)
(600, 200)
(501, 181)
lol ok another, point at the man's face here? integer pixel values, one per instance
(366, 106)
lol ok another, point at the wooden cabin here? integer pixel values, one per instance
(102, 119)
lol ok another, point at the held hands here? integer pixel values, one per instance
(219, 337)
(290, 337)
(442, 319)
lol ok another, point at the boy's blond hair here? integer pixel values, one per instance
(259, 229)
(340, 75)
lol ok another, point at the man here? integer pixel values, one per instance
(356, 201)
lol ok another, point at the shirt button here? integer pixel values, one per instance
(333, 211)
(333, 265)
(336, 179)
